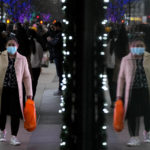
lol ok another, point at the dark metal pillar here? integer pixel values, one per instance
(86, 22)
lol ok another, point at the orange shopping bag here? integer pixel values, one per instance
(118, 118)
(30, 115)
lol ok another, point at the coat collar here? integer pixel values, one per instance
(146, 54)
(5, 53)
(130, 56)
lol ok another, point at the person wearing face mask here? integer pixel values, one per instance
(134, 78)
(13, 71)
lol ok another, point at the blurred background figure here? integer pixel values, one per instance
(56, 44)
(117, 48)
(36, 58)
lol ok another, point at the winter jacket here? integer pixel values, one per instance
(22, 75)
(36, 59)
(56, 45)
(127, 74)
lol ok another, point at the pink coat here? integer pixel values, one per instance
(127, 73)
(22, 75)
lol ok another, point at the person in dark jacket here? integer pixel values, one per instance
(21, 35)
(51, 32)
(56, 44)
(3, 37)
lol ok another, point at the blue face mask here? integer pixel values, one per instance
(137, 50)
(11, 49)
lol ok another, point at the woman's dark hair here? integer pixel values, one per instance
(12, 38)
(137, 36)
(18, 26)
(34, 35)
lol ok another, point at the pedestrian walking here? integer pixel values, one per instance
(56, 44)
(13, 71)
(36, 59)
(117, 48)
(134, 81)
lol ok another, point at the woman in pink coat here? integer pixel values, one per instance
(134, 78)
(13, 72)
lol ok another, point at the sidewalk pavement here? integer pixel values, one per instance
(46, 136)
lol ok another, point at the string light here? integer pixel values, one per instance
(70, 37)
(103, 77)
(60, 111)
(104, 143)
(64, 7)
(64, 127)
(102, 53)
(105, 7)
(63, 1)
(100, 38)
(104, 127)
(104, 45)
(106, 1)
(69, 75)
(63, 34)
(105, 111)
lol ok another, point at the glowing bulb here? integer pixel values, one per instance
(104, 76)
(63, 144)
(105, 104)
(105, 111)
(102, 53)
(60, 111)
(63, 1)
(64, 87)
(104, 143)
(101, 76)
(63, 34)
(105, 34)
(64, 127)
(63, 75)
(69, 75)
(104, 127)
(63, 109)
(64, 37)
(64, 45)
(104, 45)
(64, 20)
(105, 88)
(105, 7)
(64, 7)
(68, 53)
(100, 37)
(67, 22)
(104, 79)
(70, 37)
(62, 104)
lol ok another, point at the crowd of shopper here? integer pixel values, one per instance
(21, 52)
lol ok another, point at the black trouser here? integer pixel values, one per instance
(35, 76)
(10, 106)
(59, 70)
(134, 125)
(15, 122)
(112, 84)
